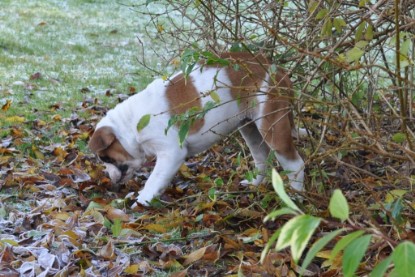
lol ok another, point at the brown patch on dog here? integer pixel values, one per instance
(183, 96)
(104, 143)
(101, 139)
(247, 79)
(277, 119)
(246, 73)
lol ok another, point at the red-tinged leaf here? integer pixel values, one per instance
(132, 90)
(36, 76)
(7, 255)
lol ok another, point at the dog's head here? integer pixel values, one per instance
(120, 165)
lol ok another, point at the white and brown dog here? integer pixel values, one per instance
(251, 98)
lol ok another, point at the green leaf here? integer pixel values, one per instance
(354, 54)
(215, 96)
(322, 14)
(363, 3)
(279, 212)
(143, 122)
(93, 205)
(405, 47)
(343, 242)
(381, 268)
(189, 59)
(183, 131)
(116, 227)
(317, 246)
(278, 185)
(212, 194)
(338, 206)
(361, 44)
(312, 6)
(326, 29)
(296, 233)
(404, 259)
(399, 137)
(369, 33)
(353, 254)
(338, 24)
(359, 31)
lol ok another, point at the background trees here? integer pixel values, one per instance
(351, 62)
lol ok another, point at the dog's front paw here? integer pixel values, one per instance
(143, 199)
(256, 181)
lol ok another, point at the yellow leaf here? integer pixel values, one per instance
(15, 119)
(155, 228)
(57, 117)
(62, 216)
(160, 28)
(185, 171)
(39, 155)
(60, 153)
(132, 269)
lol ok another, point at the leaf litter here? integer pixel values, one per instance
(59, 217)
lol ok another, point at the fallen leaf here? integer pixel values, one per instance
(107, 251)
(158, 228)
(36, 76)
(15, 119)
(208, 253)
(7, 105)
(113, 213)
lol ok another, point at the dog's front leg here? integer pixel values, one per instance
(167, 165)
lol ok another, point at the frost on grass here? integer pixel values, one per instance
(73, 45)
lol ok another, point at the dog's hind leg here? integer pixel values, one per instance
(275, 128)
(258, 147)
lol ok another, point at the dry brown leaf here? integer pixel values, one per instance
(107, 251)
(113, 213)
(208, 253)
(7, 105)
(182, 273)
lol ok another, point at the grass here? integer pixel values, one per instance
(73, 45)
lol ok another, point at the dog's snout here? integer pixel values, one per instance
(123, 168)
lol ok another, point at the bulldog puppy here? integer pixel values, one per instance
(254, 97)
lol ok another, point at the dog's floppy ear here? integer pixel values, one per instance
(101, 139)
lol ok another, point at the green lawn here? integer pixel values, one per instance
(74, 45)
